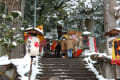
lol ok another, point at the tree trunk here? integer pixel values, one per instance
(59, 31)
(109, 19)
(90, 25)
(105, 21)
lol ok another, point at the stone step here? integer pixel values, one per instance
(59, 66)
(67, 71)
(67, 77)
(67, 74)
(68, 63)
(63, 68)
(78, 78)
(60, 59)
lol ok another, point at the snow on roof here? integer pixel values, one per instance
(34, 29)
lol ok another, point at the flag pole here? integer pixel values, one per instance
(35, 3)
(115, 76)
(30, 68)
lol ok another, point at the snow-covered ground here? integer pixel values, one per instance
(23, 65)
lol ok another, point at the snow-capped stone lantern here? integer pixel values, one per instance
(85, 38)
(32, 41)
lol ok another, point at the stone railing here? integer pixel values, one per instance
(104, 66)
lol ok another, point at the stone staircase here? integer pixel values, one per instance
(64, 69)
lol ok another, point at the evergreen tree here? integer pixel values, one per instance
(9, 38)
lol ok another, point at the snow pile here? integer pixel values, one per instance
(90, 63)
(4, 60)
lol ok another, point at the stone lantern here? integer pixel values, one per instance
(85, 38)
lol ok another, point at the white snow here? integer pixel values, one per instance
(118, 22)
(55, 16)
(61, 22)
(88, 4)
(3, 16)
(4, 60)
(35, 29)
(52, 34)
(117, 28)
(16, 36)
(22, 28)
(14, 43)
(86, 33)
(90, 63)
(38, 8)
(13, 29)
(118, 2)
(23, 66)
(117, 8)
(20, 14)
(11, 17)
(70, 6)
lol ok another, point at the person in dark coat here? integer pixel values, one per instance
(58, 49)
(48, 46)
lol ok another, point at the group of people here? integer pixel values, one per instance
(67, 47)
